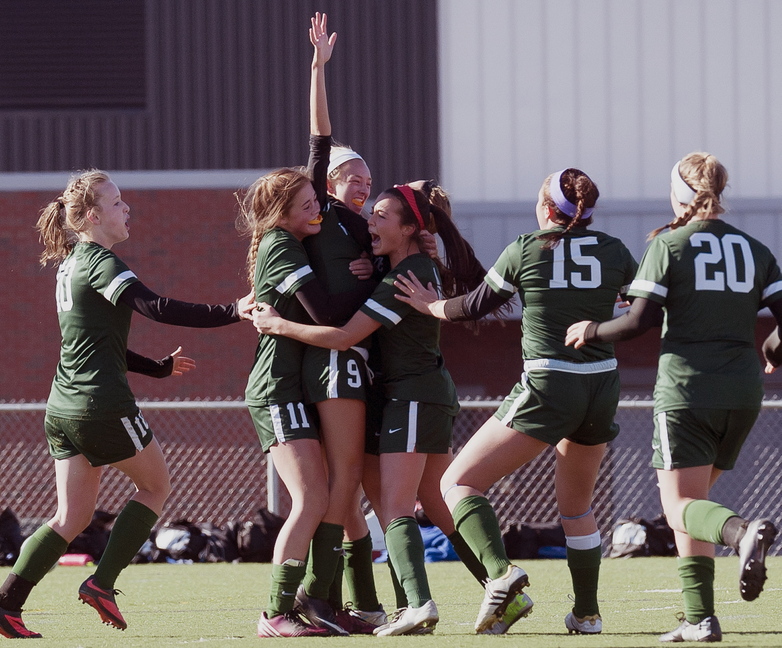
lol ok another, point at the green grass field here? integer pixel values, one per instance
(218, 605)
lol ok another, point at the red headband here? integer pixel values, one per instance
(407, 192)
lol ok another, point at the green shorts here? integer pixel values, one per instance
(700, 437)
(410, 426)
(376, 403)
(327, 373)
(102, 442)
(283, 422)
(558, 400)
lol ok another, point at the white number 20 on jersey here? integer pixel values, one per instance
(590, 277)
(719, 250)
(63, 292)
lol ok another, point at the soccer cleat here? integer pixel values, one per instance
(319, 612)
(589, 624)
(394, 616)
(359, 621)
(410, 620)
(12, 626)
(103, 601)
(289, 624)
(518, 608)
(752, 557)
(498, 595)
(707, 630)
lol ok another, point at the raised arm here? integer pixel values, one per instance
(268, 321)
(320, 124)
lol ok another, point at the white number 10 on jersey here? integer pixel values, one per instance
(63, 292)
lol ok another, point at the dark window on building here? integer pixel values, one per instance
(66, 54)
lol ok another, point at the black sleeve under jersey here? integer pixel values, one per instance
(477, 303)
(643, 315)
(333, 310)
(147, 366)
(318, 166)
(772, 346)
(178, 313)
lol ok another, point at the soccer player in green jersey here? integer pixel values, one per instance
(280, 210)
(564, 400)
(336, 382)
(92, 419)
(709, 279)
(415, 438)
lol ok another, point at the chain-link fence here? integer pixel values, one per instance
(219, 473)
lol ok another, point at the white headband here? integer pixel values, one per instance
(341, 154)
(683, 192)
(562, 203)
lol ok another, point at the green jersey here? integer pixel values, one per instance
(330, 252)
(579, 279)
(413, 367)
(281, 268)
(91, 380)
(711, 279)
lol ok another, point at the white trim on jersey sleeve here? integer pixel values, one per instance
(121, 278)
(292, 278)
(495, 280)
(384, 312)
(771, 289)
(649, 287)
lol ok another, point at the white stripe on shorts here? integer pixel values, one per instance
(517, 402)
(331, 389)
(279, 432)
(665, 444)
(412, 426)
(132, 433)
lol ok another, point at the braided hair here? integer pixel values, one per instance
(578, 189)
(705, 175)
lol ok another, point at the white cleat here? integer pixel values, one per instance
(707, 630)
(410, 620)
(498, 595)
(518, 608)
(590, 624)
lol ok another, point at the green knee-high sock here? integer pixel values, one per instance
(39, 553)
(476, 522)
(584, 565)
(130, 530)
(469, 559)
(696, 574)
(399, 592)
(359, 574)
(285, 581)
(325, 551)
(406, 549)
(704, 520)
(335, 590)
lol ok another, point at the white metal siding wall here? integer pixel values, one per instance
(620, 88)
